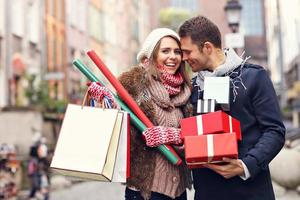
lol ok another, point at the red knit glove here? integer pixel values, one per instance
(158, 135)
(98, 92)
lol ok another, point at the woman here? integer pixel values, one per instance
(159, 84)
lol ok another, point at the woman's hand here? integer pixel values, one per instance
(98, 93)
(158, 135)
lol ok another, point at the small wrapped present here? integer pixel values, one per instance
(217, 88)
(206, 105)
(210, 123)
(210, 148)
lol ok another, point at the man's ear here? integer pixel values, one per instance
(208, 47)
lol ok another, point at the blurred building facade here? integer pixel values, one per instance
(154, 9)
(3, 90)
(77, 39)
(214, 10)
(21, 48)
(41, 39)
(95, 17)
(251, 26)
(56, 47)
(283, 22)
(191, 5)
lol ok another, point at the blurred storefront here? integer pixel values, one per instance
(20, 43)
(293, 90)
(283, 36)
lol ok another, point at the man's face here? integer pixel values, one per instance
(197, 59)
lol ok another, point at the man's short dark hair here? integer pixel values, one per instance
(201, 30)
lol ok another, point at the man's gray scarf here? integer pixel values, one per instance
(232, 61)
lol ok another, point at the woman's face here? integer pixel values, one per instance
(169, 55)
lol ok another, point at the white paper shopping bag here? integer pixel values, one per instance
(123, 154)
(87, 143)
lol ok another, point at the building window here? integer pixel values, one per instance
(0, 51)
(17, 15)
(135, 4)
(135, 30)
(16, 44)
(101, 26)
(190, 5)
(60, 10)
(51, 7)
(32, 50)
(298, 32)
(95, 25)
(62, 55)
(298, 72)
(252, 21)
(54, 55)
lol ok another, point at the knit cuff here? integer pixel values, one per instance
(159, 135)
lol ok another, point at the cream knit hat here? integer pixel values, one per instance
(152, 40)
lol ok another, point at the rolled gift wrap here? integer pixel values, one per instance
(166, 150)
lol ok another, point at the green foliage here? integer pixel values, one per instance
(38, 96)
(173, 17)
(287, 112)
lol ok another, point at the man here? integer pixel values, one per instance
(252, 101)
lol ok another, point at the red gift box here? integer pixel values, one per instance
(210, 148)
(210, 123)
(194, 166)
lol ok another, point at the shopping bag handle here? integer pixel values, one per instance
(106, 103)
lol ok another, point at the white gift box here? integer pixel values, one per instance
(217, 88)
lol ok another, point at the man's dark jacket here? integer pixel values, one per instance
(263, 132)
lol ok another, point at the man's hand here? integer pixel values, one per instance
(233, 167)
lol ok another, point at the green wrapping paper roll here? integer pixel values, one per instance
(137, 123)
(133, 118)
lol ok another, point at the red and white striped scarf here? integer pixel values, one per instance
(172, 82)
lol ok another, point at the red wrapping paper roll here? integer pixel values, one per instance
(122, 92)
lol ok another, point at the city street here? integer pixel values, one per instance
(90, 190)
(93, 191)
(115, 191)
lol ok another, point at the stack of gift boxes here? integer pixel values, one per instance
(211, 135)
